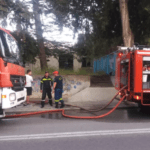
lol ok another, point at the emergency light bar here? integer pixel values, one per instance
(146, 49)
(120, 48)
(135, 47)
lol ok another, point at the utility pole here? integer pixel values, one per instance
(39, 34)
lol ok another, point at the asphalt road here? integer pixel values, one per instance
(126, 128)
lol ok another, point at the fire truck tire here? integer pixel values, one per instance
(110, 74)
(1, 111)
(141, 106)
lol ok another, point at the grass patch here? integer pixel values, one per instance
(82, 71)
(39, 72)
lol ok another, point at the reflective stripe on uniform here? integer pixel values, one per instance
(58, 100)
(46, 79)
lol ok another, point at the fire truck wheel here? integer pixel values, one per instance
(141, 106)
(110, 73)
(2, 114)
(1, 111)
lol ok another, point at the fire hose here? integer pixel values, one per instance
(75, 117)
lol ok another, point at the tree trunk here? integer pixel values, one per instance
(128, 37)
(18, 26)
(39, 34)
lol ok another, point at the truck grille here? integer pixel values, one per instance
(20, 99)
(146, 98)
(18, 82)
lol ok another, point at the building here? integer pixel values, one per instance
(65, 61)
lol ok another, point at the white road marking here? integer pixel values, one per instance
(10, 119)
(75, 134)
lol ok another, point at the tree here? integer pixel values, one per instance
(4, 10)
(22, 17)
(39, 34)
(127, 34)
(28, 46)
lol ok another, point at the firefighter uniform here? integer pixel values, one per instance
(58, 91)
(46, 84)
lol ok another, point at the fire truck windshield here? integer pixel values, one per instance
(9, 48)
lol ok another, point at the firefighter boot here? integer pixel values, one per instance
(56, 105)
(42, 104)
(50, 102)
(62, 104)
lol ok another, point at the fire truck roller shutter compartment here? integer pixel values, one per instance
(146, 72)
(124, 73)
(11, 98)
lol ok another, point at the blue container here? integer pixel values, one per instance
(106, 63)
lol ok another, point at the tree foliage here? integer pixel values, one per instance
(98, 21)
(28, 46)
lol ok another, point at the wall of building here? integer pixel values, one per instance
(76, 64)
(54, 63)
(71, 85)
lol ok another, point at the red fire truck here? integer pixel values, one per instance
(133, 70)
(12, 73)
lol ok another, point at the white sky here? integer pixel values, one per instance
(55, 35)
(65, 36)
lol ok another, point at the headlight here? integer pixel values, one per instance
(12, 97)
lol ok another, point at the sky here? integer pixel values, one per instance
(67, 34)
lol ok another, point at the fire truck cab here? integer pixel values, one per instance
(133, 71)
(12, 73)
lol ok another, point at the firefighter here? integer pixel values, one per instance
(58, 89)
(46, 85)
